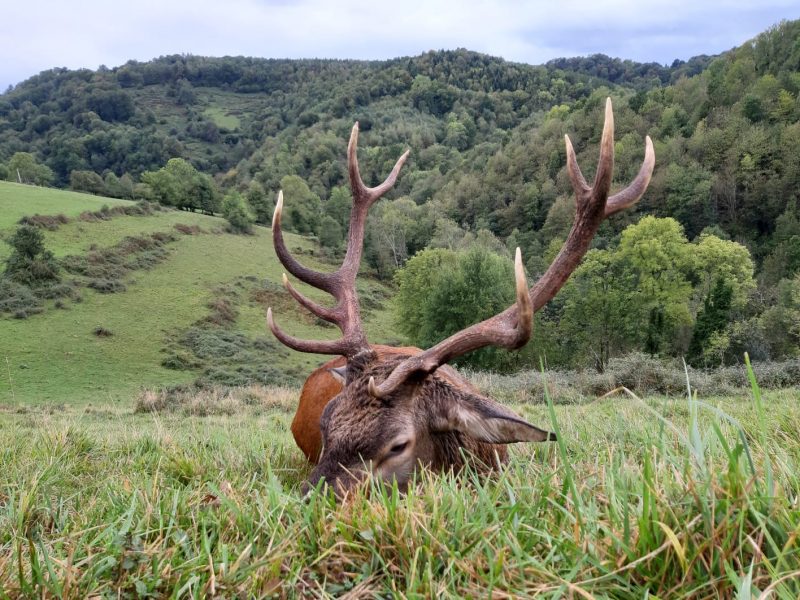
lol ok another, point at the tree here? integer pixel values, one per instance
(87, 181)
(260, 203)
(330, 233)
(715, 260)
(710, 324)
(30, 263)
(180, 185)
(23, 166)
(235, 212)
(441, 292)
(595, 322)
(302, 207)
(781, 322)
(656, 260)
(338, 206)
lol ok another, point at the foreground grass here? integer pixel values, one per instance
(657, 498)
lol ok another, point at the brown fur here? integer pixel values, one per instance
(321, 387)
(359, 430)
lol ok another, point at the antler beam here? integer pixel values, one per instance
(592, 206)
(340, 284)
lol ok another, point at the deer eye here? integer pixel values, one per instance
(398, 448)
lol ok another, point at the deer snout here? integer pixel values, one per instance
(341, 480)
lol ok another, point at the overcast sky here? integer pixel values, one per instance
(37, 35)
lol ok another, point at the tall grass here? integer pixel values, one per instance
(641, 498)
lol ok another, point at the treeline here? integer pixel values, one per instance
(486, 167)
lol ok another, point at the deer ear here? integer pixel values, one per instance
(339, 374)
(488, 421)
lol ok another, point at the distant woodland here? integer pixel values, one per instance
(706, 267)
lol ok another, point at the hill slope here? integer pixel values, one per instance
(107, 346)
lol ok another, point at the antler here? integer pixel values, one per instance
(591, 207)
(341, 283)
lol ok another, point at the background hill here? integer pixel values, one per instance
(486, 169)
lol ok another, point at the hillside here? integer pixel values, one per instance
(107, 346)
(487, 160)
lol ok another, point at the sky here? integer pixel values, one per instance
(38, 35)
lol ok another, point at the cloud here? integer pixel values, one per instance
(38, 35)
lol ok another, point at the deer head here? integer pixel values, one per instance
(398, 412)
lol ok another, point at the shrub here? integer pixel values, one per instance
(235, 212)
(216, 400)
(49, 222)
(107, 286)
(188, 229)
(15, 297)
(30, 263)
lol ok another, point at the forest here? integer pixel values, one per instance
(707, 266)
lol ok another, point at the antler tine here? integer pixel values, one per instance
(341, 283)
(322, 312)
(631, 194)
(363, 198)
(510, 329)
(605, 164)
(360, 191)
(592, 206)
(339, 346)
(323, 281)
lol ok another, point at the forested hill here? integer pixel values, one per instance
(217, 111)
(486, 139)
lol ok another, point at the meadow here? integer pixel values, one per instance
(110, 487)
(655, 498)
(55, 357)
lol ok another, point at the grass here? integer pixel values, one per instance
(55, 357)
(655, 498)
(17, 201)
(222, 118)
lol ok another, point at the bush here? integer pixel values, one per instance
(640, 373)
(235, 212)
(188, 229)
(442, 292)
(15, 297)
(30, 263)
(217, 400)
(49, 222)
(57, 290)
(107, 286)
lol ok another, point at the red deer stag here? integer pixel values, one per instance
(398, 408)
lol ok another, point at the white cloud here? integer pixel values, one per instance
(38, 35)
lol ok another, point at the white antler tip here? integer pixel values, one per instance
(372, 388)
(276, 216)
(285, 281)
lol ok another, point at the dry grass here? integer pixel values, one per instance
(217, 400)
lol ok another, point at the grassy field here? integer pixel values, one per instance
(222, 118)
(661, 498)
(17, 201)
(55, 357)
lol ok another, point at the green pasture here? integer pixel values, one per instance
(55, 357)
